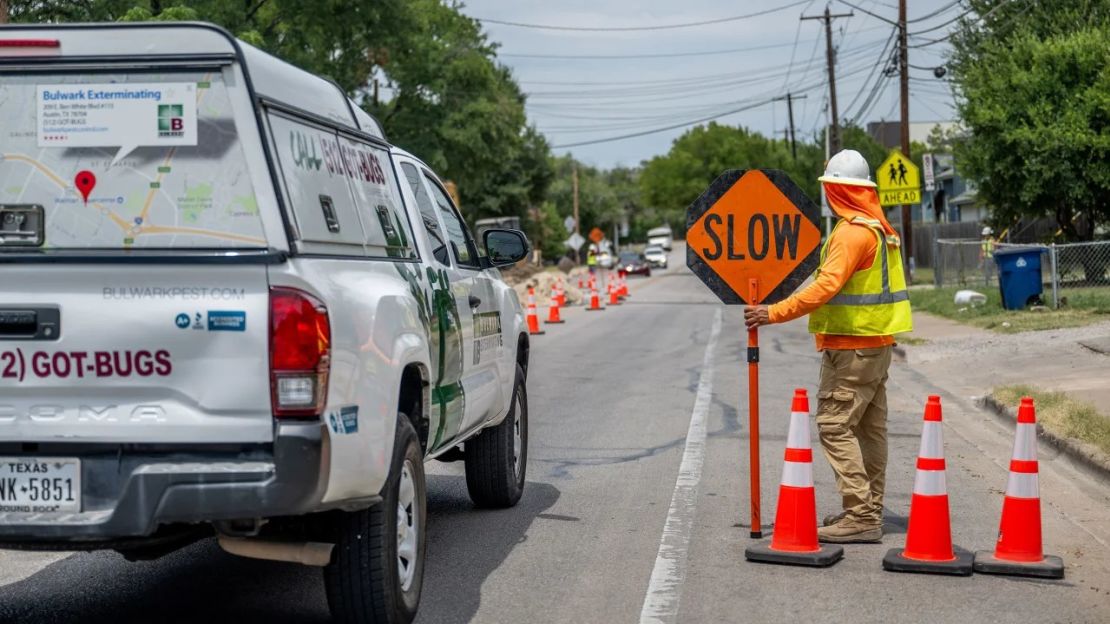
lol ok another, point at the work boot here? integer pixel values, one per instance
(851, 531)
(832, 519)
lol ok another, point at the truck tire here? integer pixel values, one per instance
(496, 459)
(377, 568)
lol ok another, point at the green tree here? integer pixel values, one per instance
(1033, 81)
(448, 100)
(669, 183)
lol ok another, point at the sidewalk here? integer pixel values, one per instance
(971, 361)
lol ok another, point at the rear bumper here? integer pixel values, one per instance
(130, 494)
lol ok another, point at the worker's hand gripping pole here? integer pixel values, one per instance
(753, 411)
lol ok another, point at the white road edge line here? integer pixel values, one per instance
(665, 587)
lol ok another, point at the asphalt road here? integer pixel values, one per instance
(620, 401)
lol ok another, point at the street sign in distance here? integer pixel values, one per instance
(568, 223)
(899, 180)
(575, 241)
(749, 224)
(596, 235)
(927, 166)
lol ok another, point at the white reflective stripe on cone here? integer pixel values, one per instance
(932, 440)
(1025, 442)
(797, 474)
(930, 483)
(1023, 485)
(798, 438)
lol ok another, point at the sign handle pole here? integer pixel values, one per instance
(753, 413)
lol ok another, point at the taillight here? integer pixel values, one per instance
(30, 47)
(300, 353)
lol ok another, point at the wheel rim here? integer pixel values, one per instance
(407, 527)
(518, 438)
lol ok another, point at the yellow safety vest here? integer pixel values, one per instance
(988, 248)
(874, 301)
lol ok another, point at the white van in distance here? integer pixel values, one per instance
(661, 237)
(229, 307)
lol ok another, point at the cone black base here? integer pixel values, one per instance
(539, 333)
(823, 558)
(554, 322)
(960, 566)
(595, 309)
(1052, 567)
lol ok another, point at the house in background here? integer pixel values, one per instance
(953, 198)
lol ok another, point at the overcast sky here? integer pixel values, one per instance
(574, 100)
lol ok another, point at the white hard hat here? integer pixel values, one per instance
(848, 167)
(987, 231)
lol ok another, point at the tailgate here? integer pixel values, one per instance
(131, 353)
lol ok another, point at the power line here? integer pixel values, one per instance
(934, 13)
(794, 50)
(636, 56)
(752, 104)
(665, 128)
(954, 19)
(878, 82)
(722, 20)
(863, 10)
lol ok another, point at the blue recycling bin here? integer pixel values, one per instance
(1019, 276)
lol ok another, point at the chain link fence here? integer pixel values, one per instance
(1066, 269)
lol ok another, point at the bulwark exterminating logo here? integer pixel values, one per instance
(487, 334)
(171, 120)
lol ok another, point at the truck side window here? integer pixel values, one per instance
(427, 213)
(461, 243)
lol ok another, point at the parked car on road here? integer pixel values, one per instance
(656, 255)
(633, 263)
(267, 344)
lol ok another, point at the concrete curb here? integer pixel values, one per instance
(1081, 454)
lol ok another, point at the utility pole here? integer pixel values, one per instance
(904, 67)
(574, 185)
(834, 135)
(3, 11)
(790, 97)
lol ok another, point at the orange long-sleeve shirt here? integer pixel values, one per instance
(851, 249)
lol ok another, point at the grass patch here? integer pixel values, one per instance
(913, 341)
(923, 275)
(1061, 414)
(1084, 306)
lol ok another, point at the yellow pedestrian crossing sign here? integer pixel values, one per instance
(899, 180)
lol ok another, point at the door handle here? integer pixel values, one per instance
(475, 302)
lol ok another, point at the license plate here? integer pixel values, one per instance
(40, 484)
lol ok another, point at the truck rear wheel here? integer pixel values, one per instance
(377, 569)
(496, 458)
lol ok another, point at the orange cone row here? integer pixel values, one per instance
(929, 547)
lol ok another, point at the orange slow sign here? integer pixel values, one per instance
(596, 235)
(752, 224)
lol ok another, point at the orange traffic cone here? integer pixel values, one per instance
(929, 537)
(533, 319)
(580, 286)
(794, 540)
(595, 300)
(553, 309)
(614, 298)
(624, 286)
(1019, 551)
(561, 294)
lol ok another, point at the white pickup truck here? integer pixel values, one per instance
(229, 307)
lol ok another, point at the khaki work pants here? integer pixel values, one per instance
(851, 420)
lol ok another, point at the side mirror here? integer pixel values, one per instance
(505, 247)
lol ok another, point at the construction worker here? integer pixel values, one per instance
(856, 303)
(986, 254)
(591, 259)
